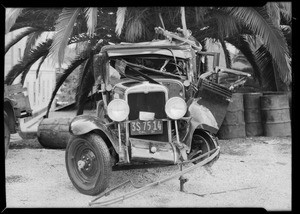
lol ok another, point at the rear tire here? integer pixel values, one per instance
(6, 135)
(88, 163)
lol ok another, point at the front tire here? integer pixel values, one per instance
(88, 163)
(203, 142)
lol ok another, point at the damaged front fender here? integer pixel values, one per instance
(84, 124)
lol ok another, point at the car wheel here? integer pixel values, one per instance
(88, 163)
(199, 146)
(201, 143)
(6, 136)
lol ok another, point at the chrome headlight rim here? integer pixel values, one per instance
(118, 110)
(177, 105)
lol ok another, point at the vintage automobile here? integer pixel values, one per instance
(15, 105)
(157, 108)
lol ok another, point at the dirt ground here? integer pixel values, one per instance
(251, 172)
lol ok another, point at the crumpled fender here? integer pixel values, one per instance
(201, 118)
(85, 123)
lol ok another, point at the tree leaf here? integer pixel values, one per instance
(63, 28)
(11, 16)
(60, 80)
(31, 40)
(82, 72)
(241, 43)
(27, 61)
(121, 12)
(84, 90)
(258, 21)
(40, 64)
(20, 36)
(226, 53)
(91, 16)
(264, 61)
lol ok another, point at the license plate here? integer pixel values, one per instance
(149, 127)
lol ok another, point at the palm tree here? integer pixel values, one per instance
(73, 25)
(230, 24)
(89, 25)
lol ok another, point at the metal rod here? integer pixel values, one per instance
(176, 129)
(108, 191)
(120, 140)
(130, 194)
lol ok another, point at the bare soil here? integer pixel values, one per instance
(251, 172)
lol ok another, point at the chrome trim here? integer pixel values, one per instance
(146, 87)
(120, 139)
(176, 130)
(141, 151)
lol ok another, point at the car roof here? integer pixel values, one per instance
(160, 47)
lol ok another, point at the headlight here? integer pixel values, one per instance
(175, 108)
(118, 110)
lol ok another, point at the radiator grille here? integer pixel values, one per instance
(150, 102)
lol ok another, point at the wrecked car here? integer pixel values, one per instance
(158, 108)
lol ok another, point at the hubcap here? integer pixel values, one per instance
(84, 163)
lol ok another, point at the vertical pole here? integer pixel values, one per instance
(181, 180)
(120, 140)
(176, 129)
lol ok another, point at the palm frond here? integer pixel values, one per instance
(20, 36)
(240, 42)
(11, 16)
(91, 16)
(121, 13)
(264, 61)
(27, 61)
(60, 80)
(226, 53)
(82, 73)
(136, 25)
(258, 21)
(63, 27)
(134, 30)
(86, 87)
(83, 37)
(25, 72)
(226, 25)
(31, 40)
(40, 64)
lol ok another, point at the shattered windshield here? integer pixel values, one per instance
(147, 67)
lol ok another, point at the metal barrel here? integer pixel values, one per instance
(54, 132)
(233, 125)
(275, 114)
(252, 114)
